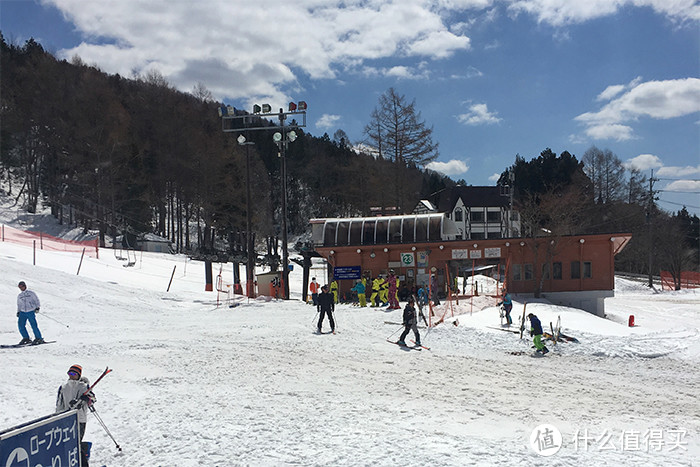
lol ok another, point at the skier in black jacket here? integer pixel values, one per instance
(536, 331)
(326, 304)
(410, 322)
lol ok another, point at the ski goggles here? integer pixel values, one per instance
(72, 373)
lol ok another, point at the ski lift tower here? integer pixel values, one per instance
(284, 134)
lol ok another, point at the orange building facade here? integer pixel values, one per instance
(577, 271)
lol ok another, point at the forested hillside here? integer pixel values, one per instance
(136, 155)
(133, 155)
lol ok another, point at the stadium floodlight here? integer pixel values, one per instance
(291, 136)
(241, 139)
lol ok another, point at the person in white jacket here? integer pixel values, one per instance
(73, 394)
(27, 307)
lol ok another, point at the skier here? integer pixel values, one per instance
(434, 290)
(314, 287)
(27, 307)
(536, 331)
(409, 322)
(392, 285)
(376, 285)
(384, 291)
(422, 296)
(72, 395)
(507, 306)
(334, 290)
(359, 289)
(326, 305)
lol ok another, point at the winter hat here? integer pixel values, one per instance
(21, 284)
(77, 368)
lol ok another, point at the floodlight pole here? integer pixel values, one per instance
(282, 146)
(228, 115)
(250, 246)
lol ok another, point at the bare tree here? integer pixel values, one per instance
(606, 172)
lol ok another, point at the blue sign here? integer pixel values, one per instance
(347, 272)
(51, 440)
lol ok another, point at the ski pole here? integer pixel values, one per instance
(63, 324)
(392, 334)
(314, 320)
(102, 424)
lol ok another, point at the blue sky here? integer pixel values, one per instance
(494, 78)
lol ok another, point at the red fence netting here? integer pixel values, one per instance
(689, 280)
(48, 242)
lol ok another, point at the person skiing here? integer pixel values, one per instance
(314, 287)
(434, 290)
(326, 305)
(383, 290)
(27, 307)
(73, 394)
(359, 289)
(536, 332)
(507, 306)
(393, 283)
(410, 323)
(376, 285)
(422, 296)
(334, 290)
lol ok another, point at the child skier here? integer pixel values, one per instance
(507, 306)
(536, 331)
(409, 322)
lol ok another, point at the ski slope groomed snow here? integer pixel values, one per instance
(199, 384)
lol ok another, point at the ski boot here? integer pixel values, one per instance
(401, 343)
(545, 350)
(25, 341)
(38, 341)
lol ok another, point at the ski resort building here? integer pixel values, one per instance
(576, 271)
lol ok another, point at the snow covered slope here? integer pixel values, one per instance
(196, 384)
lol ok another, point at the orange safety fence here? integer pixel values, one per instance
(689, 280)
(48, 242)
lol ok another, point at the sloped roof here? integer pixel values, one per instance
(472, 196)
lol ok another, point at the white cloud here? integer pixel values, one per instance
(563, 12)
(683, 186)
(327, 121)
(494, 178)
(652, 99)
(254, 50)
(687, 171)
(643, 162)
(450, 168)
(478, 115)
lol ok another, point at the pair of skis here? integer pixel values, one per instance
(16, 346)
(412, 347)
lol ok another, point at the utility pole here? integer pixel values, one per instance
(649, 227)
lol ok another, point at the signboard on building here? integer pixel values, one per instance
(422, 259)
(51, 440)
(474, 254)
(347, 272)
(492, 252)
(407, 260)
(459, 254)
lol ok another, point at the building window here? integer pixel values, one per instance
(587, 270)
(493, 216)
(556, 270)
(517, 272)
(575, 270)
(527, 272)
(476, 216)
(458, 215)
(478, 235)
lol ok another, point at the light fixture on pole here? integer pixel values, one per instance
(282, 140)
(230, 122)
(250, 247)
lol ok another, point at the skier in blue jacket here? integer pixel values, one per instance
(27, 307)
(507, 306)
(536, 332)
